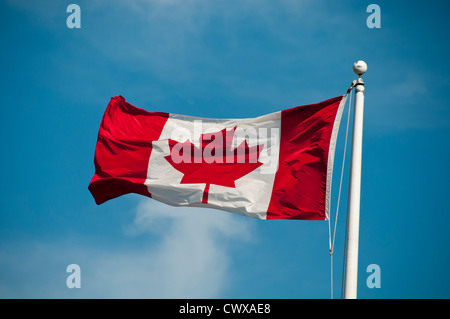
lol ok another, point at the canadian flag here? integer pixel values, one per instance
(276, 166)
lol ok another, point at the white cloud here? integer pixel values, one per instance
(185, 254)
(191, 260)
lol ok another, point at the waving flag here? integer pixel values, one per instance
(276, 166)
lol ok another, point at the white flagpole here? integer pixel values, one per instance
(351, 265)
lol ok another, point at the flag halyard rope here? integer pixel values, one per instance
(331, 238)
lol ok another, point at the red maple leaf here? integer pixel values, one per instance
(215, 161)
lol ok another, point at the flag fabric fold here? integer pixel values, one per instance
(275, 166)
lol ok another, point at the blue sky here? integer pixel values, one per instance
(227, 59)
